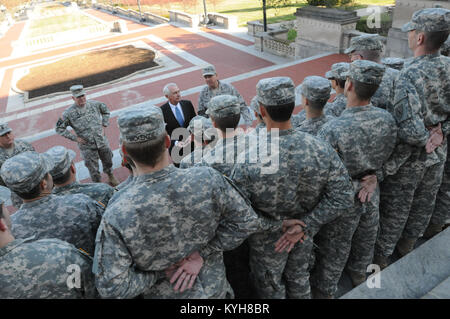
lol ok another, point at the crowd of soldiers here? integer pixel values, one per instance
(282, 209)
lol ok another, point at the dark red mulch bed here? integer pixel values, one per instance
(89, 69)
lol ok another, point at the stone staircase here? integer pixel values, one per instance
(423, 273)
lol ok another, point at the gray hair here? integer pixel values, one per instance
(166, 90)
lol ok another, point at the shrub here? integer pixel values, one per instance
(292, 34)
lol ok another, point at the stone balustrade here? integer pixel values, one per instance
(191, 20)
(132, 14)
(222, 20)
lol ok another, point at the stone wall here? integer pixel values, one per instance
(323, 30)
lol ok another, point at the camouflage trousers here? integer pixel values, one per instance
(334, 243)
(279, 275)
(349, 239)
(365, 236)
(406, 203)
(442, 208)
(91, 157)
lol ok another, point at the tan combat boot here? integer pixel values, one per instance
(381, 261)
(432, 230)
(405, 246)
(356, 277)
(112, 180)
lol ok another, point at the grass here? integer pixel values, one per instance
(247, 10)
(59, 24)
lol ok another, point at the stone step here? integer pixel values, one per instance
(413, 276)
(442, 291)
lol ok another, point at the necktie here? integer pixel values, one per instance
(179, 116)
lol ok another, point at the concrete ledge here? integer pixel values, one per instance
(442, 291)
(414, 275)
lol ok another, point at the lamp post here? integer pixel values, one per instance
(140, 12)
(205, 20)
(264, 16)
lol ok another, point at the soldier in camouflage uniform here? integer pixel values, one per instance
(214, 88)
(394, 63)
(88, 119)
(64, 176)
(339, 103)
(225, 114)
(369, 47)
(364, 136)
(40, 269)
(10, 147)
(421, 109)
(441, 212)
(315, 94)
(72, 218)
(203, 134)
(169, 218)
(305, 180)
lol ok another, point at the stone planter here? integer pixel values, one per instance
(322, 30)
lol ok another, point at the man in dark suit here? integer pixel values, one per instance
(177, 113)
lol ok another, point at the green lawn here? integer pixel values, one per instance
(247, 10)
(60, 23)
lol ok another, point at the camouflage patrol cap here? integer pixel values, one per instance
(337, 70)
(316, 88)
(429, 20)
(4, 128)
(199, 124)
(223, 106)
(366, 71)
(141, 124)
(275, 91)
(23, 172)
(395, 63)
(77, 90)
(62, 158)
(209, 70)
(254, 105)
(369, 42)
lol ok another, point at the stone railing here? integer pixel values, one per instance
(132, 14)
(153, 18)
(275, 42)
(192, 20)
(256, 27)
(222, 20)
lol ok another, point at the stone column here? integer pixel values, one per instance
(321, 30)
(397, 41)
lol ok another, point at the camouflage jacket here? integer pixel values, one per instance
(422, 100)
(312, 126)
(87, 124)
(336, 107)
(41, 270)
(164, 217)
(304, 178)
(363, 136)
(298, 118)
(194, 157)
(384, 96)
(224, 154)
(20, 146)
(99, 192)
(72, 218)
(206, 94)
(129, 180)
